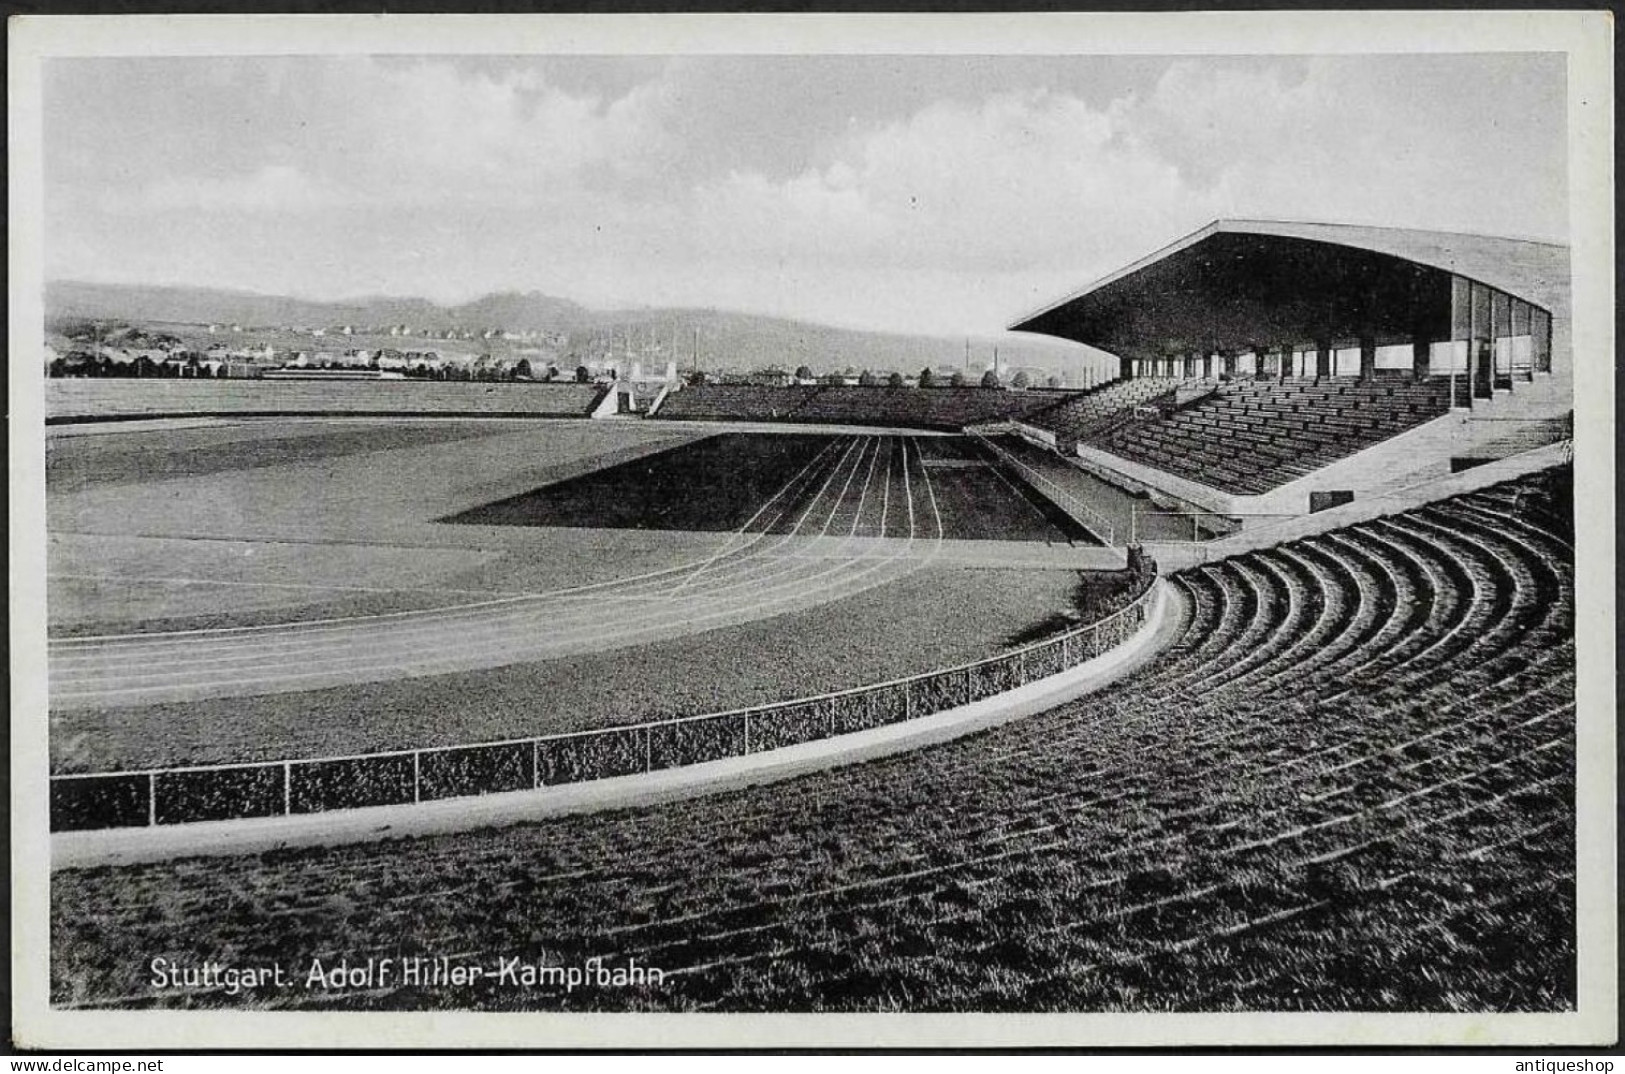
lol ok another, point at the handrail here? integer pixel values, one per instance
(131, 797)
(1108, 529)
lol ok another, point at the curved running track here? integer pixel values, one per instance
(830, 515)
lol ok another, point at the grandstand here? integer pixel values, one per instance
(1262, 363)
(735, 402)
(919, 408)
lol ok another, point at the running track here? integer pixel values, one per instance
(855, 490)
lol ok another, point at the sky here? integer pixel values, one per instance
(942, 195)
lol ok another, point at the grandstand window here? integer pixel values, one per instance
(1480, 305)
(1483, 372)
(1394, 356)
(1523, 350)
(1461, 308)
(1501, 331)
(1448, 356)
(1520, 317)
(1346, 362)
(1540, 331)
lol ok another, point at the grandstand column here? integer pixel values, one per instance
(1323, 357)
(1228, 358)
(1421, 356)
(1368, 357)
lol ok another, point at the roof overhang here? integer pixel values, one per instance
(1236, 284)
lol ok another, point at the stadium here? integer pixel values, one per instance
(1242, 680)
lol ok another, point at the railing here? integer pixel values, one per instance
(148, 797)
(1092, 519)
(1204, 525)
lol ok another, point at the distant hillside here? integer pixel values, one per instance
(197, 305)
(720, 339)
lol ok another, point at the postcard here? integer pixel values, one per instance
(812, 530)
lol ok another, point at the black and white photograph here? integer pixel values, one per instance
(850, 524)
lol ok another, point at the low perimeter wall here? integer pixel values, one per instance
(285, 788)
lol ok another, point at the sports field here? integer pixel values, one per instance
(385, 573)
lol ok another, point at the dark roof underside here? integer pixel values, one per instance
(1239, 285)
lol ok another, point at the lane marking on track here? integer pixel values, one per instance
(288, 585)
(885, 487)
(797, 587)
(725, 549)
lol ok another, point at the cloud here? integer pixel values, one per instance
(1019, 181)
(949, 197)
(273, 188)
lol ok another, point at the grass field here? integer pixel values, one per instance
(250, 521)
(1348, 786)
(914, 624)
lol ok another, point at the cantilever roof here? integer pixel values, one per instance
(1535, 271)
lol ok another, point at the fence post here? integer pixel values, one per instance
(648, 749)
(908, 699)
(535, 763)
(417, 780)
(1024, 667)
(152, 799)
(287, 788)
(747, 730)
(869, 707)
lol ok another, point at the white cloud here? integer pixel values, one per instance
(714, 184)
(1020, 181)
(272, 188)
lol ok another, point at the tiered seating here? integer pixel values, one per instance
(1252, 436)
(734, 402)
(928, 408)
(1098, 410)
(90, 399)
(935, 408)
(1348, 785)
